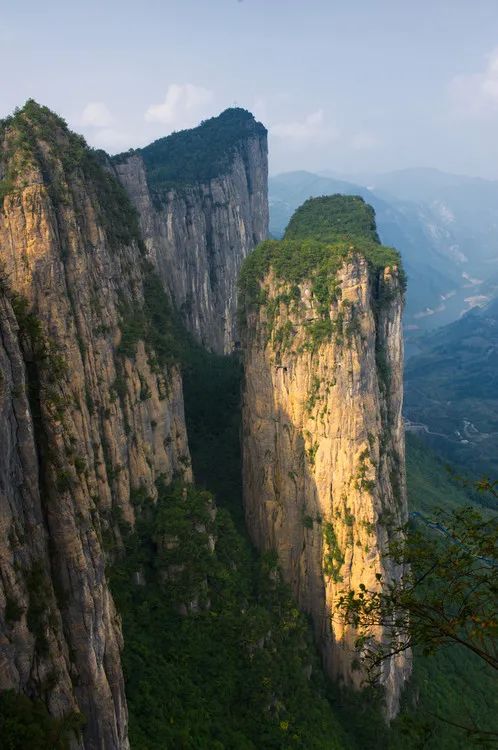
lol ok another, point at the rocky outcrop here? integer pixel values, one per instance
(323, 444)
(198, 229)
(91, 414)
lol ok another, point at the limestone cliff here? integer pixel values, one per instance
(323, 444)
(202, 201)
(91, 414)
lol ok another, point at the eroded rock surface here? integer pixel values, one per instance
(90, 415)
(198, 232)
(323, 443)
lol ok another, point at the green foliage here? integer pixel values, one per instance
(26, 723)
(333, 558)
(348, 518)
(164, 333)
(68, 158)
(292, 261)
(319, 331)
(451, 700)
(211, 389)
(80, 464)
(451, 387)
(322, 234)
(430, 483)
(447, 596)
(13, 611)
(37, 585)
(185, 690)
(133, 327)
(307, 522)
(29, 324)
(313, 394)
(311, 452)
(333, 217)
(282, 336)
(197, 155)
(361, 480)
(231, 672)
(6, 187)
(448, 692)
(182, 653)
(119, 218)
(155, 323)
(383, 369)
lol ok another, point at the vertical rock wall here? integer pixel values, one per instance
(197, 235)
(89, 416)
(323, 446)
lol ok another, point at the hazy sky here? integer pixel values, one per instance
(348, 85)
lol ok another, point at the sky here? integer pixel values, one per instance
(352, 86)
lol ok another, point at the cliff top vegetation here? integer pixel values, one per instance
(322, 233)
(37, 140)
(333, 217)
(199, 154)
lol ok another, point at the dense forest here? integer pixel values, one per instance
(199, 154)
(264, 687)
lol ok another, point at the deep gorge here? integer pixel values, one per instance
(172, 508)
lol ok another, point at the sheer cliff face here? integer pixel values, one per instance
(198, 233)
(323, 444)
(26, 582)
(90, 416)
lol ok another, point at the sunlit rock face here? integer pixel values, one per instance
(323, 442)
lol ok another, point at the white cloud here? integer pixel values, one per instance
(100, 128)
(184, 106)
(96, 115)
(476, 94)
(312, 128)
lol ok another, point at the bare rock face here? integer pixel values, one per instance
(33, 650)
(323, 443)
(90, 413)
(199, 224)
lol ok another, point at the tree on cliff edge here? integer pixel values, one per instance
(448, 595)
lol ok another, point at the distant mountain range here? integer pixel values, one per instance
(451, 391)
(446, 227)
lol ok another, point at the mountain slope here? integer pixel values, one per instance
(452, 687)
(452, 391)
(465, 210)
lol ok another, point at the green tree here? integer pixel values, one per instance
(446, 596)
(26, 723)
